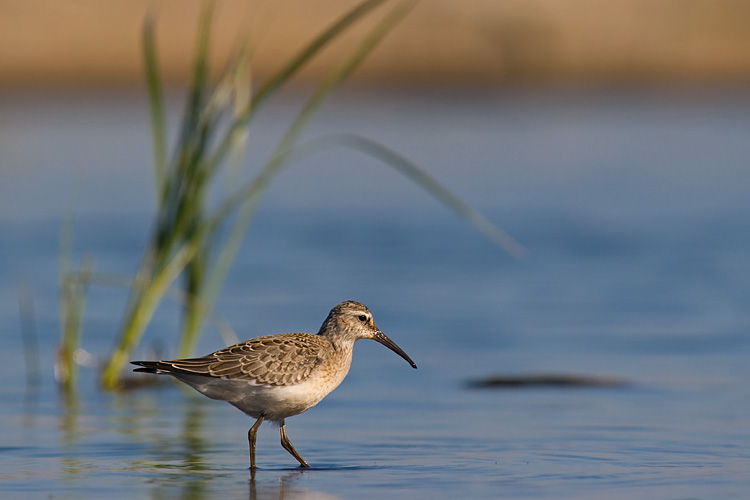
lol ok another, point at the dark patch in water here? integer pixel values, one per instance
(546, 380)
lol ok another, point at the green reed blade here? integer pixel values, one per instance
(281, 77)
(73, 294)
(199, 79)
(156, 105)
(71, 308)
(142, 312)
(423, 180)
(307, 53)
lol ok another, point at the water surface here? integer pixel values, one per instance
(633, 207)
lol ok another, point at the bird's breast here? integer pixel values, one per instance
(277, 402)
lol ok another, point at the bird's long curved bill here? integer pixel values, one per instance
(383, 339)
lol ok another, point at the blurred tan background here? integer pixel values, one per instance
(95, 42)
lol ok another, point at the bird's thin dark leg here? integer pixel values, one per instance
(251, 434)
(288, 447)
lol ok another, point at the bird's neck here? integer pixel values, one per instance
(342, 346)
(342, 358)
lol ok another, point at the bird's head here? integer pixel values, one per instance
(353, 321)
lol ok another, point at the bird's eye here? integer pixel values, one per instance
(362, 318)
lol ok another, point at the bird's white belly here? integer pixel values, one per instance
(280, 401)
(274, 402)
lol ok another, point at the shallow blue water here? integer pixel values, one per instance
(633, 208)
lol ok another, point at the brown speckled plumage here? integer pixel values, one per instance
(278, 376)
(284, 359)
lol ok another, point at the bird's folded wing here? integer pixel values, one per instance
(273, 360)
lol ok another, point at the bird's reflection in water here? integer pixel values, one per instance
(266, 486)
